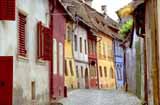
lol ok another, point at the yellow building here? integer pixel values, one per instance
(70, 74)
(105, 56)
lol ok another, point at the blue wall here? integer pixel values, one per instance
(119, 63)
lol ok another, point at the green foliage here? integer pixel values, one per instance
(126, 28)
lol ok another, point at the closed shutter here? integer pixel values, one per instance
(40, 40)
(21, 31)
(47, 44)
(44, 42)
(7, 9)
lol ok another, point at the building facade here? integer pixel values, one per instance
(19, 39)
(92, 57)
(80, 49)
(70, 70)
(119, 64)
(58, 30)
(106, 62)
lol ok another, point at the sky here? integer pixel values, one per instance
(112, 6)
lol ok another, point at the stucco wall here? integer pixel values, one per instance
(105, 61)
(70, 80)
(81, 78)
(119, 60)
(27, 69)
(81, 32)
(81, 58)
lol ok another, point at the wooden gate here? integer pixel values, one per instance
(6, 80)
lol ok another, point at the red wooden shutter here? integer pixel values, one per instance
(44, 42)
(47, 44)
(21, 32)
(7, 9)
(40, 40)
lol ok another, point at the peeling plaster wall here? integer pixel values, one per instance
(29, 69)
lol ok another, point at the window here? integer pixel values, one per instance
(100, 69)
(120, 72)
(7, 9)
(75, 42)
(33, 91)
(22, 35)
(77, 73)
(94, 47)
(81, 71)
(44, 41)
(55, 56)
(105, 71)
(71, 68)
(69, 33)
(100, 48)
(66, 70)
(104, 50)
(90, 46)
(85, 43)
(111, 73)
(61, 59)
(81, 45)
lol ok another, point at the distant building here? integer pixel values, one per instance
(70, 69)
(119, 64)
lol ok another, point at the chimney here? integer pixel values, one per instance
(104, 9)
(89, 2)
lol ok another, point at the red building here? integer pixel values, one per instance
(92, 57)
(57, 25)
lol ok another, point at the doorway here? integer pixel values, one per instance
(86, 79)
(6, 80)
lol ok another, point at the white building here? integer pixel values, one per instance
(80, 48)
(30, 75)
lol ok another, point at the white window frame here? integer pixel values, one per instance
(60, 45)
(54, 56)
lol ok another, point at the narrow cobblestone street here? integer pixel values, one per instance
(99, 97)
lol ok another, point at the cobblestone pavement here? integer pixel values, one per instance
(99, 97)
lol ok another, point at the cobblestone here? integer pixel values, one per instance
(99, 97)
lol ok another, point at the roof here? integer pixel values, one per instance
(91, 17)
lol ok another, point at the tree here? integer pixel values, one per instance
(126, 28)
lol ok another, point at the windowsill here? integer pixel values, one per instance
(22, 58)
(41, 62)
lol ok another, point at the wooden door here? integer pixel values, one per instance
(6, 80)
(86, 79)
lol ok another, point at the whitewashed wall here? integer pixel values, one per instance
(81, 58)
(28, 69)
(80, 32)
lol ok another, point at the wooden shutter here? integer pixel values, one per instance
(40, 40)
(47, 44)
(21, 31)
(44, 42)
(7, 9)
